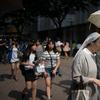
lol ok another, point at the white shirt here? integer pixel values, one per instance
(31, 60)
(14, 56)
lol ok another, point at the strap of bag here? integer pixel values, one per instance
(51, 60)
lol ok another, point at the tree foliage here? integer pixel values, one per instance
(56, 9)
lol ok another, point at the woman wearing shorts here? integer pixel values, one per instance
(52, 62)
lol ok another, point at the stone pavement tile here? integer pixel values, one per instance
(11, 90)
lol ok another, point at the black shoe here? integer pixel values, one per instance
(23, 96)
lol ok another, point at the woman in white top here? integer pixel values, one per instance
(14, 61)
(27, 62)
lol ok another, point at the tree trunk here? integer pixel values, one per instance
(59, 31)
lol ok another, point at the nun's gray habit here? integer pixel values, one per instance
(84, 65)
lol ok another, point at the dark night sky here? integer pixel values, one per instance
(8, 5)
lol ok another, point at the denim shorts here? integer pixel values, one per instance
(49, 71)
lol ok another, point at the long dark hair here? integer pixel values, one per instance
(47, 46)
(27, 52)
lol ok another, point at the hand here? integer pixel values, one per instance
(31, 66)
(54, 71)
(45, 74)
(97, 82)
(91, 80)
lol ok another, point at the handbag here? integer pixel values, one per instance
(39, 70)
(79, 91)
(80, 94)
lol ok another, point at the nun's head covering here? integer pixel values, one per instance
(92, 37)
(94, 18)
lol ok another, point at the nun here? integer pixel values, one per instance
(84, 68)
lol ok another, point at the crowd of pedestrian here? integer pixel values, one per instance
(38, 59)
(27, 55)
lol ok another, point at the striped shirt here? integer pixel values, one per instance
(50, 58)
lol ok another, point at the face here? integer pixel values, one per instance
(37, 43)
(51, 45)
(97, 44)
(33, 47)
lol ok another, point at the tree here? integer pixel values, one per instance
(56, 10)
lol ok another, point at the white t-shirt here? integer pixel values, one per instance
(31, 60)
(14, 56)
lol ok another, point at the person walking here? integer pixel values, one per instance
(14, 60)
(39, 49)
(52, 63)
(27, 68)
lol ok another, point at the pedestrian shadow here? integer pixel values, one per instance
(18, 95)
(4, 76)
(15, 94)
(41, 94)
(64, 84)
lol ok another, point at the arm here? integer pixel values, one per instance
(80, 70)
(28, 64)
(96, 81)
(57, 64)
(2, 44)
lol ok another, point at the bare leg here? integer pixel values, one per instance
(17, 70)
(48, 86)
(12, 70)
(34, 86)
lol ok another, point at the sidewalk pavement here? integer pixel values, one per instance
(11, 89)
